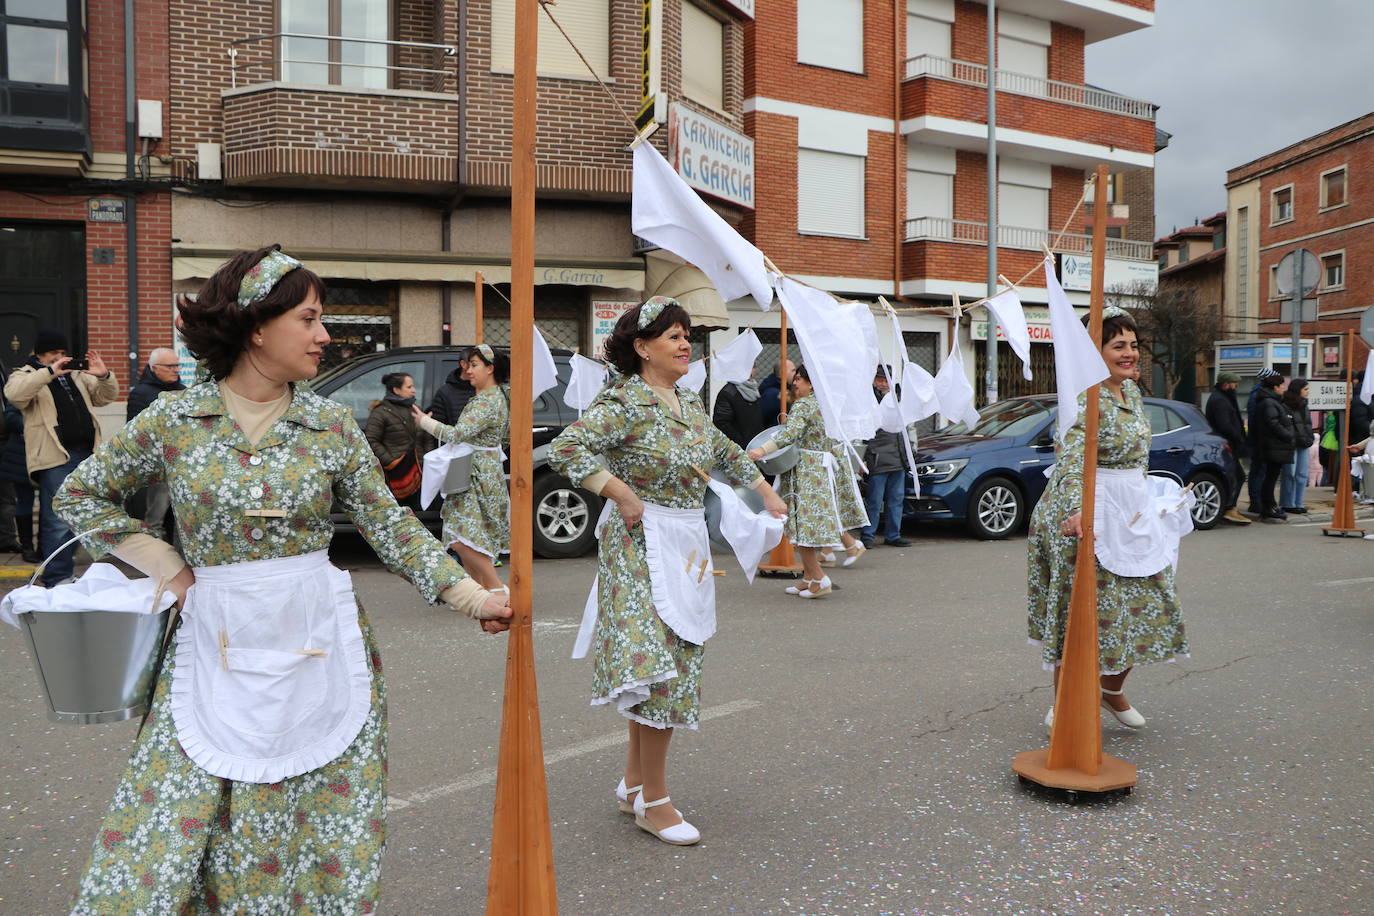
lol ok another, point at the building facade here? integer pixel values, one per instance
(1316, 194)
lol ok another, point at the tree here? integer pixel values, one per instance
(1175, 328)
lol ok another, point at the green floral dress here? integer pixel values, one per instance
(1139, 620)
(480, 516)
(176, 839)
(852, 512)
(653, 450)
(812, 515)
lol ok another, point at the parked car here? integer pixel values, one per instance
(564, 514)
(991, 476)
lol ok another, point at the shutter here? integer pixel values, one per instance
(588, 23)
(1024, 57)
(926, 37)
(830, 193)
(1022, 207)
(703, 57)
(929, 194)
(830, 33)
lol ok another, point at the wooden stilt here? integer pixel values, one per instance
(782, 559)
(479, 282)
(521, 877)
(1343, 513)
(1074, 759)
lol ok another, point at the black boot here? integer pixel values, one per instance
(24, 525)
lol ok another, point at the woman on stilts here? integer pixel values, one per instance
(1139, 618)
(652, 607)
(477, 521)
(257, 783)
(809, 488)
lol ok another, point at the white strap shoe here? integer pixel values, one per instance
(828, 559)
(683, 834)
(1128, 716)
(815, 588)
(622, 795)
(852, 554)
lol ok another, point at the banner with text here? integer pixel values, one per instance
(711, 157)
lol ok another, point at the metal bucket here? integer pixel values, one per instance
(94, 666)
(459, 476)
(784, 459)
(749, 495)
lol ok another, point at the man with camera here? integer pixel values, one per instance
(56, 394)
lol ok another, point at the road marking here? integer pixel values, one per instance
(580, 749)
(1348, 581)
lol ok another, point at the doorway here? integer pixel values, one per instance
(42, 285)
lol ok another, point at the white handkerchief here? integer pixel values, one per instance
(587, 379)
(668, 213)
(1012, 317)
(1078, 361)
(750, 535)
(545, 372)
(695, 377)
(734, 361)
(954, 391)
(1367, 386)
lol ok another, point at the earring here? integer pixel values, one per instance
(259, 341)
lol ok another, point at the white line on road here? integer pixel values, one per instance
(1348, 581)
(581, 748)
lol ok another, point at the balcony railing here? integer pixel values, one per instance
(958, 71)
(338, 60)
(940, 229)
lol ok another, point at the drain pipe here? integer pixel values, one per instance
(446, 219)
(130, 175)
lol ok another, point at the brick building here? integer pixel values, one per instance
(1317, 194)
(870, 129)
(1194, 259)
(85, 208)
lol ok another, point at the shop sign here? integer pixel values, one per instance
(1242, 352)
(105, 210)
(1037, 324)
(605, 313)
(710, 156)
(1076, 273)
(1325, 395)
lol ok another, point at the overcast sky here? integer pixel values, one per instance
(1236, 79)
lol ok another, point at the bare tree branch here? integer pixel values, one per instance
(1175, 328)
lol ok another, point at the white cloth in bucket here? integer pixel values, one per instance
(101, 588)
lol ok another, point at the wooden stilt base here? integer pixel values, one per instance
(1344, 532)
(1114, 775)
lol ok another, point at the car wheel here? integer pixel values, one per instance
(564, 518)
(996, 508)
(1210, 494)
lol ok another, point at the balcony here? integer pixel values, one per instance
(940, 229)
(329, 111)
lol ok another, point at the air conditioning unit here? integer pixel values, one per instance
(209, 162)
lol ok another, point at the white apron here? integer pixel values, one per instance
(1138, 520)
(828, 459)
(271, 676)
(436, 462)
(678, 553)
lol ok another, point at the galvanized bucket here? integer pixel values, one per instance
(459, 476)
(94, 666)
(748, 495)
(784, 459)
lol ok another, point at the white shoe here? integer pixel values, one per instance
(828, 559)
(1128, 716)
(853, 554)
(815, 588)
(622, 795)
(795, 589)
(683, 834)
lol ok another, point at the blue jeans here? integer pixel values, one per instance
(52, 531)
(887, 490)
(1293, 481)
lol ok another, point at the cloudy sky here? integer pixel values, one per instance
(1236, 79)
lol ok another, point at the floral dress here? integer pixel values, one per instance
(653, 450)
(480, 516)
(176, 839)
(1138, 618)
(813, 517)
(847, 500)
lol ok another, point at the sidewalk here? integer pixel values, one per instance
(1321, 503)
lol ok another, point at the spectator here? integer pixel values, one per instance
(1360, 411)
(14, 469)
(886, 460)
(9, 540)
(1223, 413)
(1251, 434)
(1273, 432)
(453, 395)
(59, 431)
(1293, 477)
(737, 412)
(163, 373)
(394, 438)
(770, 402)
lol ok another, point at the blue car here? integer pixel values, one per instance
(990, 477)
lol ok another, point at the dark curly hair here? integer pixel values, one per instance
(500, 363)
(620, 346)
(1113, 326)
(216, 328)
(393, 380)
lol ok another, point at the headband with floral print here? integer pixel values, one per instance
(263, 276)
(652, 308)
(487, 353)
(1114, 311)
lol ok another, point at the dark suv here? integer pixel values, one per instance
(564, 514)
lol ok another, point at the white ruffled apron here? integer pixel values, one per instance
(1138, 520)
(271, 677)
(828, 459)
(678, 553)
(436, 462)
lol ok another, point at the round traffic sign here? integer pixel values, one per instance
(1288, 272)
(1367, 325)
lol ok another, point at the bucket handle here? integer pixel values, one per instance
(44, 565)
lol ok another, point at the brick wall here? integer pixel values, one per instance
(1137, 187)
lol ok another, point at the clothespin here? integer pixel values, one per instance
(224, 649)
(768, 262)
(1135, 518)
(313, 653)
(691, 561)
(958, 309)
(704, 476)
(643, 135)
(1005, 282)
(1046, 248)
(702, 575)
(717, 572)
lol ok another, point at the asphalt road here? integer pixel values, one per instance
(856, 757)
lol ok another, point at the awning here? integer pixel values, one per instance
(668, 275)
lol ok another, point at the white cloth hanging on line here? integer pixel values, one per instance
(1367, 386)
(953, 390)
(1078, 361)
(1012, 317)
(587, 379)
(735, 361)
(695, 377)
(545, 374)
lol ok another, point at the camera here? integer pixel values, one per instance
(78, 364)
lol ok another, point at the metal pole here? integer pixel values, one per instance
(990, 371)
(1297, 317)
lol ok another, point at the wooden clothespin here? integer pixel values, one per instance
(691, 561)
(1134, 519)
(643, 135)
(1005, 282)
(224, 649)
(702, 575)
(704, 476)
(958, 308)
(717, 572)
(313, 653)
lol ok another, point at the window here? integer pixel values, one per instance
(830, 33)
(929, 189)
(1281, 204)
(588, 23)
(1162, 419)
(1243, 261)
(1333, 270)
(358, 394)
(1274, 282)
(1023, 45)
(703, 57)
(1333, 188)
(1023, 199)
(41, 80)
(336, 61)
(830, 193)
(928, 27)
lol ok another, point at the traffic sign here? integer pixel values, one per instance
(1325, 395)
(1367, 325)
(1299, 262)
(1309, 311)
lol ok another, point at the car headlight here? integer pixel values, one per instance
(940, 471)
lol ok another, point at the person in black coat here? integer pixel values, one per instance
(770, 400)
(453, 395)
(1361, 412)
(737, 412)
(1223, 413)
(163, 373)
(1293, 478)
(1274, 442)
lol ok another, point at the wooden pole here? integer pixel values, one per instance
(782, 559)
(1343, 513)
(521, 877)
(479, 282)
(1074, 759)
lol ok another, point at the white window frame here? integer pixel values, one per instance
(1339, 252)
(1274, 294)
(716, 103)
(817, 42)
(588, 23)
(1322, 205)
(1274, 218)
(812, 223)
(936, 16)
(1017, 177)
(1016, 31)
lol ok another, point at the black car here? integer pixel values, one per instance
(564, 514)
